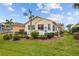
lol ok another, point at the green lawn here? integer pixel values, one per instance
(66, 46)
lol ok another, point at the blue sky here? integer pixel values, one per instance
(61, 12)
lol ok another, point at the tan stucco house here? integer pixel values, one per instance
(16, 27)
(42, 25)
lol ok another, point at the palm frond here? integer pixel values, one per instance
(30, 12)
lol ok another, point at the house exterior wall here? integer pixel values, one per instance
(16, 28)
(37, 21)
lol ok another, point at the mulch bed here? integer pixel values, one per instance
(45, 40)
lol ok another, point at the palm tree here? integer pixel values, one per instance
(9, 24)
(30, 16)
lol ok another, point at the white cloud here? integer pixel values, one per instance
(45, 11)
(69, 13)
(56, 17)
(23, 9)
(11, 9)
(70, 18)
(54, 6)
(39, 6)
(25, 17)
(2, 20)
(7, 4)
(77, 13)
(16, 15)
(48, 7)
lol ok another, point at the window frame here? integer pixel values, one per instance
(49, 26)
(53, 27)
(33, 27)
(40, 26)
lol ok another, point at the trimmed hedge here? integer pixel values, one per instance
(42, 37)
(16, 37)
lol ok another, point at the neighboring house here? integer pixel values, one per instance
(42, 25)
(16, 27)
(6, 29)
(1, 28)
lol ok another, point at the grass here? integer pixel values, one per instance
(66, 46)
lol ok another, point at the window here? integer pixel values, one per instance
(33, 27)
(28, 27)
(49, 27)
(40, 26)
(53, 27)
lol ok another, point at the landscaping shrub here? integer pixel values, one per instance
(56, 33)
(25, 33)
(49, 35)
(21, 35)
(16, 37)
(61, 33)
(35, 34)
(42, 37)
(7, 36)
